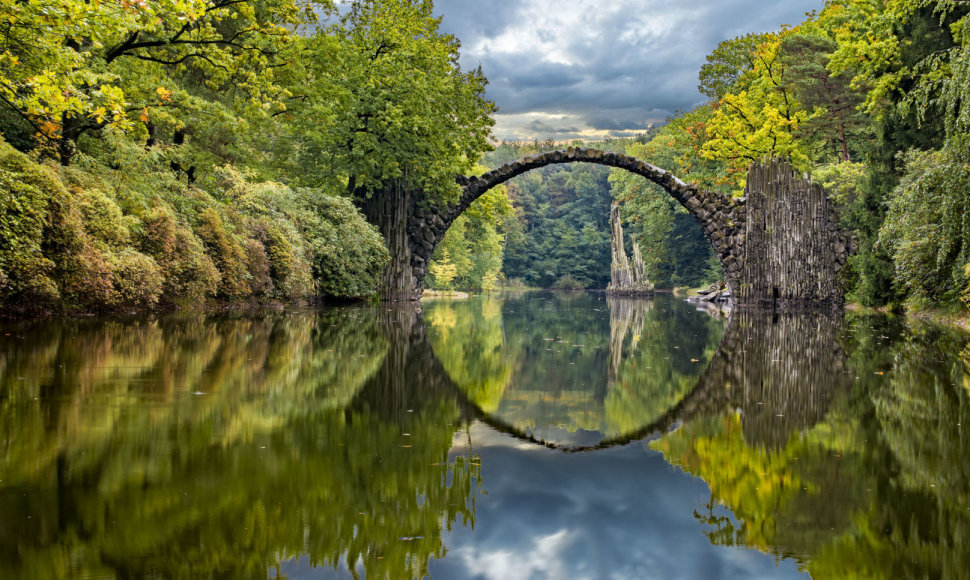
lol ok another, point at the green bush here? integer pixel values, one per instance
(227, 254)
(23, 213)
(348, 254)
(89, 237)
(136, 280)
(102, 218)
(315, 242)
(190, 275)
(568, 283)
(260, 283)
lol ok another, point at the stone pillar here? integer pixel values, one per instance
(388, 210)
(620, 275)
(793, 247)
(412, 227)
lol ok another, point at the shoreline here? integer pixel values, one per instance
(204, 308)
(959, 320)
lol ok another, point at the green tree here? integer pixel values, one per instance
(760, 119)
(728, 63)
(386, 100)
(474, 245)
(69, 67)
(562, 226)
(927, 231)
(836, 122)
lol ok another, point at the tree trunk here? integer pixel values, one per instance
(178, 138)
(845, 145)
(70, 131)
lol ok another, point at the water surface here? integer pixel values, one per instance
(534, 436)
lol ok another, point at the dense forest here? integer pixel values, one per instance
(171, 152)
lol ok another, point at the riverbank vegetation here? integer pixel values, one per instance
(166, 153)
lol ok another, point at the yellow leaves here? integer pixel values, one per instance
(144, 117)
(760, 120)
(133, 5)
(163, 94)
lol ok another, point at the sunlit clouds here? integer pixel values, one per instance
(588, 69)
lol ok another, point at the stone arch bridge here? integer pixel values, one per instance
(779, 245)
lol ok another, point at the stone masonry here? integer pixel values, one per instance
(779, 246)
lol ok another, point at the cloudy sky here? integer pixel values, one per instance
(590, 68)
(617, 513)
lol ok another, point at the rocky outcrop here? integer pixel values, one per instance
(626, 278)
(716, 292)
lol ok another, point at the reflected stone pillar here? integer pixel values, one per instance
(781, 370)
(411, 376)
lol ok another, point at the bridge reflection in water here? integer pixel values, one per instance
(781, 369)
(230, 445)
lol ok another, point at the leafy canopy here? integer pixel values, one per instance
(384, 99)
(71, 66)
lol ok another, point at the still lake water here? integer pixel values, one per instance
(533, 436)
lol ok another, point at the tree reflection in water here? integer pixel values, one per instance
(846, 448)
(229, 445)
(573, 370)
(193, 447)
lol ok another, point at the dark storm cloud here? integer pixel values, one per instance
(603, 66)
(544, 128)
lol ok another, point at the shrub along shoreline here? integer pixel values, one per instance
(88, 238)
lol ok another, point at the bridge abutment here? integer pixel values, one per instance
(793, 249)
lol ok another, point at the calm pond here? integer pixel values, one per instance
(531, 436)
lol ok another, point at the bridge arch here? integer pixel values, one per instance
(779, 246)
(721, 217)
